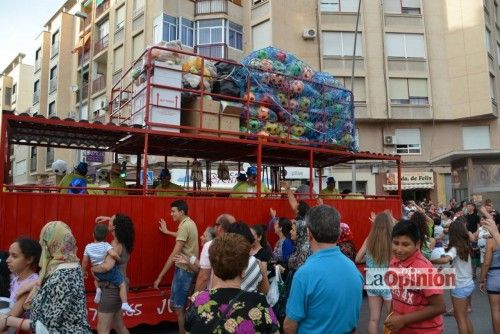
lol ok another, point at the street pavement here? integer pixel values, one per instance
(480, 317)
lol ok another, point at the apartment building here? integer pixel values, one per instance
(425, 83)
(16, 96)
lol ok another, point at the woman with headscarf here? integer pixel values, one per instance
(59, 303)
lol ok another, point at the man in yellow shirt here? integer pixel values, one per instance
(166, 184)
(116, 181)
(330, 191)
(250, 186)
(73, 178)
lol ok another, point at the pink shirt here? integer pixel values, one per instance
(406, 301)
(15, 284)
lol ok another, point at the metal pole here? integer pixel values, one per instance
(353, 171)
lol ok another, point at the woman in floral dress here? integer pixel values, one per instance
(226, 308)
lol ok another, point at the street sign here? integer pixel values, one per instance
(150, 177)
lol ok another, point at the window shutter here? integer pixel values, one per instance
(398, 89)
(418, 87)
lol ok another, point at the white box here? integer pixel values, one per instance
(164, 103)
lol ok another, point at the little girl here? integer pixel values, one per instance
(458, 252)
(376, 251)
(24, 255)
(96, 252)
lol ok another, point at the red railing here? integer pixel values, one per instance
(99, 84)
(101, 44)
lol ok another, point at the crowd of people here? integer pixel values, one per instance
(226, 284)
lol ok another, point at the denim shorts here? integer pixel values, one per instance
(181, 284)
(463, 292)
(113, 276)
(384, 293)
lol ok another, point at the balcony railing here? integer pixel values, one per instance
(101, 44)
(212, 50)
(98, 84)
(54, 50)
(210, 7)
(85, 92)
(102, 8)
(37, 65)
(36, 96)
(52, 85)
(86, 57)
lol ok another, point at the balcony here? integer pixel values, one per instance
(98, 84)
(210, 7)
(54, 50)
(101, 8)
(101, 44)
(36, 97)
(52, 85)
(212, 50)
(86, 57)
(37, 65)
(85, 92)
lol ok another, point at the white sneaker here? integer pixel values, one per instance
(126, 307)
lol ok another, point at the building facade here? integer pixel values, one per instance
(16, 96)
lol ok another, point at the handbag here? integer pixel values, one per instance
(273, 295)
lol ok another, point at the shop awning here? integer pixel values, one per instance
(394, 187)
(86, 3)
(85, 40)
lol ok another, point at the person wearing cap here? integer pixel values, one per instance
(166, 184)
(116, 181)
(240, 179)
(330, 191)
(250, 185)
(76, 178)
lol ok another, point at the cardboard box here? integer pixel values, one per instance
(217, 115)
(164, 103)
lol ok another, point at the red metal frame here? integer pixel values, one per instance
(24, 213)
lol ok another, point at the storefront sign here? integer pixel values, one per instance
(94, 156)
(416, 180)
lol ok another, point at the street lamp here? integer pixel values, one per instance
(82, 16)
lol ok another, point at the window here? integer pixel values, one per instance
(493, 89)
(211, 31)
(498, 54)
(36, 91)
(408, 91)
(488, 41)
(476, 137)
(497, 13)
(8, 96)
(52, 108)
(37, 59)
(33, 159)
(359, 88)
(187, 32)
(14, 89)
(261, 35)
(360, 186)
(138, 5)
(118, 59)
(235, 36)
(103, 29)
(341, 44)
(137, 45)
(405, 45)
(20, 167)
(50, 157)
(402, 6)
(120, 18)
(54, 44)
(53, 79)
(408, 141)
(346, 6)
(37, 53)
(166, 29)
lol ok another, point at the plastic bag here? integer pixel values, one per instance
(40, 328)
(273, 294)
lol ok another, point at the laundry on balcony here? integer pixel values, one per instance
(82, 42)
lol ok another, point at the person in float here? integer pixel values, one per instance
(250, 186)
(240, 179)
(116, 181)
(166, 184)
(330, 191)
(75, 179)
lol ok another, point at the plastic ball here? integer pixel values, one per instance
(307, 73)
(303, 116)
(266, 65)
(263, 113)
(297, 130)
(102, 174)
(297, 87)
(78, 182)
(305, 103)
(281, 56)
(249, 97)
(282, 98)
(262, 54)
(254, 125)
(293, 104)
(295, 69)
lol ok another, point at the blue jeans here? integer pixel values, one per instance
(181, 284)
(113, 276)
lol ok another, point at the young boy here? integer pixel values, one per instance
(413, 310)
(97, 252)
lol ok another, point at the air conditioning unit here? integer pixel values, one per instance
(389, 140)
(309, 33)
(123, 96)
(104, 104)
